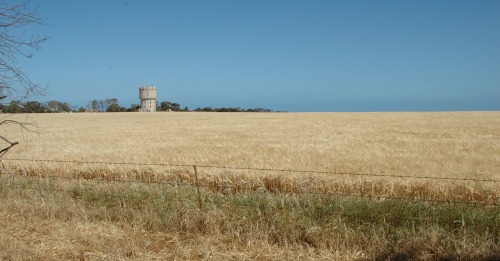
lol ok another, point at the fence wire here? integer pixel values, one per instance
(254, 169)
(247, 189)
(207, 202)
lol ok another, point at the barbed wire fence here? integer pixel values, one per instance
(196, 183)
(254, 169)
(202, 202)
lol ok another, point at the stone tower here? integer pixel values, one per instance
(148, 96)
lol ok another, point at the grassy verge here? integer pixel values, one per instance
(307, 225)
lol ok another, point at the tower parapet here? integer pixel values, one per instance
(148, 96)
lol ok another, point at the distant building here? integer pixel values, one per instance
(148, 96)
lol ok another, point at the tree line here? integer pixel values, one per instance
(111, 105)
(232, 109)
(35, 107)
(106, 105)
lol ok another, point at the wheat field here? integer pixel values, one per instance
(433, 156)
(462, 145)
(458, 144)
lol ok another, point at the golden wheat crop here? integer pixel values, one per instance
(362, 154)
(462, 145)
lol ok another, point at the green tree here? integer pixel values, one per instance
(165, 106)
(115, 108)
(65, 107)
(93, 106)
(34, 107)
(57, 106)
(134, 107)
(176, 107)
(172, 106)
(14, 107)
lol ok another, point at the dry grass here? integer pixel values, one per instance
(93, 220)
(463, 145)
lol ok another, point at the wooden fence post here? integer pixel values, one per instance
(198, 187)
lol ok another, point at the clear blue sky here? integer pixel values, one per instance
(282, 55)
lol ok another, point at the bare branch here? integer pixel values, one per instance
(5, 150)
(14, 18)
(14, 82)
(24, 126)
